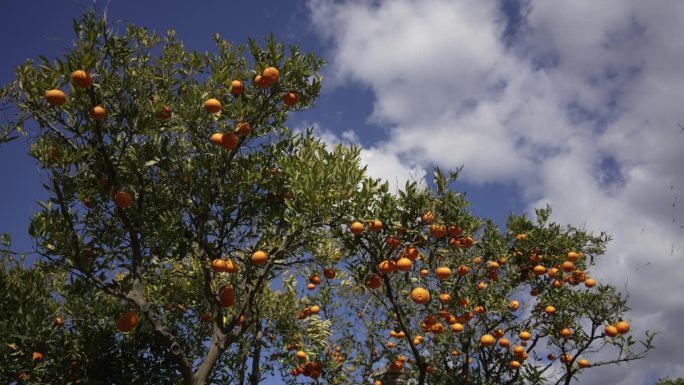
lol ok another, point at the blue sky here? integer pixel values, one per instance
(576, 104)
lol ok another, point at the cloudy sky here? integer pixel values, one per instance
(579, 104)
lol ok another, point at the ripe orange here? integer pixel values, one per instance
(428, 217)
(244, 128)
(393, 242)
(550, 310)
(514, 364)
(315, 279)
(437, 231)
(231, 266)
(404, 264)
(226, 296)
(611, 331)
(622, 327)
(518, 351)
(219, 265)
(567, 357)
(479, 310)
(310, 286)
(487, 340)
(301, 355)
(539, 270)
(81, 79)
(271, 75)
(420, 295)
(229, 141)
(259, 258)
(261, 82)
(164, 113)
(493, 265)
(290, 99)
(481, 285)
(375, 225)
(55, 97)
(572, 256)
(387, 266)
(98, 113)
(212, 105)
(217, 139)
(424, 272)
(462, 270)
(504, 343)
(445, 298)
(356, 228)
(236, 87)
(513, 305)
(551, 357)
(329, 273)
(443, 272)
(59, 321)
(374, 281)
(37, 356)
(123, 199)
(396, 366)
(584, 363)
(525, 335)
(568, 266)
(565, 333)
(128, 321)
(411, 252)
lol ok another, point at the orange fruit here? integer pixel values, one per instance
(217, 139)
(229, 141)
(565, 333)
(59, 321)
(123, 199)
(374, 281)
(568, 266)
(244, 128)
(479, 310)
(301, 355)
(445, 298)
(481, 285)
(622, 327)
(584, 363)
(98, 113)
(504, 343)
(525, 335)
(375, 225)
(396, 366)
(329, 273)
(37, 356)
(231, 266)
(411, 252)
(212, 105)
(551, 357)
(315, 309)
(487, 340)
(443, 272)
(553, 272)
(462, 270)
(128, 321)
(271, 75)
(310, 286)
(550, 310)
(290, 99)
(514, 364)
(55, 97)
(518, 350)
(393, 242)
(567, 357)
(236, 87)
(261, 82)
(424, 272)
(428, 217)
(420, 295)
(81, 79)
(572, 256)
(457, 327)
(259, 258)
(611, 331)
(164, 113)
(226, 296)
(539, 270)
(437, 231)
(493, 265)
(356, 228)
(404, 264)
(387, 266)
(513, 305)
(219, 265)
(315, 279)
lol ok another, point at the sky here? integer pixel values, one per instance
(578, 104)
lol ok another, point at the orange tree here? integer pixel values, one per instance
(176, 189)
(454, 300)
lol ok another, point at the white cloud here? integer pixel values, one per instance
(579, 109)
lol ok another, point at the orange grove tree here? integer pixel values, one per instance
(219, 246)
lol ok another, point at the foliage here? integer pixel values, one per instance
(148, 202)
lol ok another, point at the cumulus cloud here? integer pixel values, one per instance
(576, 103)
